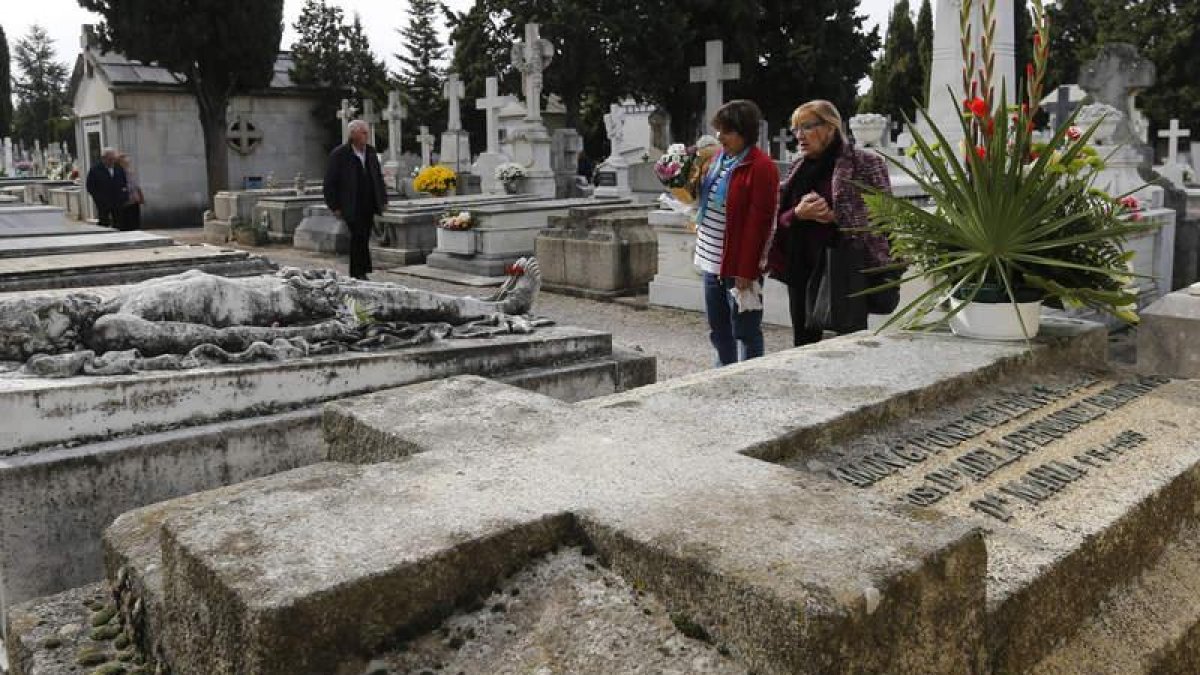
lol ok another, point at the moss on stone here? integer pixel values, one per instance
(106, 632)
(91, 656)
(110, 669)
(104, 615)
(122, 641)
(684, 624)
(52, 643)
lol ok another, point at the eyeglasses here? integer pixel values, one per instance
(806, 127)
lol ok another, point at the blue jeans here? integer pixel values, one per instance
(727, 326)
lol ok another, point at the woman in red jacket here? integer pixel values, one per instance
(737, 202)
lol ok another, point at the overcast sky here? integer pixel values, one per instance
(63, 18)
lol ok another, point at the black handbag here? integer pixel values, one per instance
(832, 295)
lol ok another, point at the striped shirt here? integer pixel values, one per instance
(710, 234)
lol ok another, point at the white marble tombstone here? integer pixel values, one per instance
(947, 67)
(456, 145)
(714, 73)
(345, 115)
(485, 165)
(1173, 169)
(530, 143)
(394, 114)
(612, 176)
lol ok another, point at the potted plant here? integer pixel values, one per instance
(510, 175)
(436, 180)
(1014, 222)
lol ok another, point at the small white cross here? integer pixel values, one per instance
(370, 118)
(394, 113)
(781, 140)
(426, 140)
(713, 74)
(1173, 134)
(346, 115)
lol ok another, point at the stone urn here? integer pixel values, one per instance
(870, 130)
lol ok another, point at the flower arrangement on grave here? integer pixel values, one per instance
(510, 172)
(23, 166)
(456, 221)
(436, 180)
(676, 170)
(1014, 219)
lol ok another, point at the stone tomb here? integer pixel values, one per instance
(72, 200)
(1168, 338)
(502, 233)
(107, 240)
(913, 503)
(281, 214)
(601, 255)
(407, 231)
(86, 449)
(37, 221)
(232, 208)
(127, 265)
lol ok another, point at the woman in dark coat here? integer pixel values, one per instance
(818, 203)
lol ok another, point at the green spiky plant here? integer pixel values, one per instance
(1012, 217)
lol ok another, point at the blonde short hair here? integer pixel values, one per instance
(824, 111)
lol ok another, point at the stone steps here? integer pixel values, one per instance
(1151, 625)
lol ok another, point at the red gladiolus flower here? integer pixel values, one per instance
(1029, 70)
(1037, 40)
(981, 152)
(1074, 133)
(977, 106)
(991, 127)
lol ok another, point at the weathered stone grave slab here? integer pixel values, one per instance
(70, 270)
(1079, 480)
(87, 449)
(503, 233)
(407, 232)
(70, 200)
(1168, 338)
(598, 254)
(39, 221)
(28, 247)
(236, 207)
(282, 214)
(788, 570)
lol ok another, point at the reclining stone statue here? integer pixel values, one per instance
(183, 320)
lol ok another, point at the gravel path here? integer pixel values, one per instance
(678, 338)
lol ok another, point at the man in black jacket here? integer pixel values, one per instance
(355, 192)
(108, 187)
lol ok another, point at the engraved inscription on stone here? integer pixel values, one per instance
(1014, 427)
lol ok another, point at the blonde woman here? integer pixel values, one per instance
(818, 204)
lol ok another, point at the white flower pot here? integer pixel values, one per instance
(996, 320)
(461, 242)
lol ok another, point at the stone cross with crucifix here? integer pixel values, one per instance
(371, 118)
(1061, 111)
(346, 115)
(531, 57)
(426, 140)
(1173, 134)
(713, 74)
(394, 114)
(453, 91)
(491, 103)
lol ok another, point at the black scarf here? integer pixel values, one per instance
(810, 173)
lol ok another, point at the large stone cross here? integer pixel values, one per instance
(435, 492)
(346, 115)
(1114, 77)
(426, 140)
(371, 118)
(394, 114)
(1173, 134)
(531, 58)
(453, 91)
(491, 103)
(714, 73)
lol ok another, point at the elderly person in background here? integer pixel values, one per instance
(736, 201)
(107, 186)
(818, 203)
(355, 192)
(131, 212)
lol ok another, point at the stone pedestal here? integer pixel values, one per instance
(531, 146)
(321, 231)
(485, 168)
(456, 150)
(1168, 339)
(612, 178)
(598, 255)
